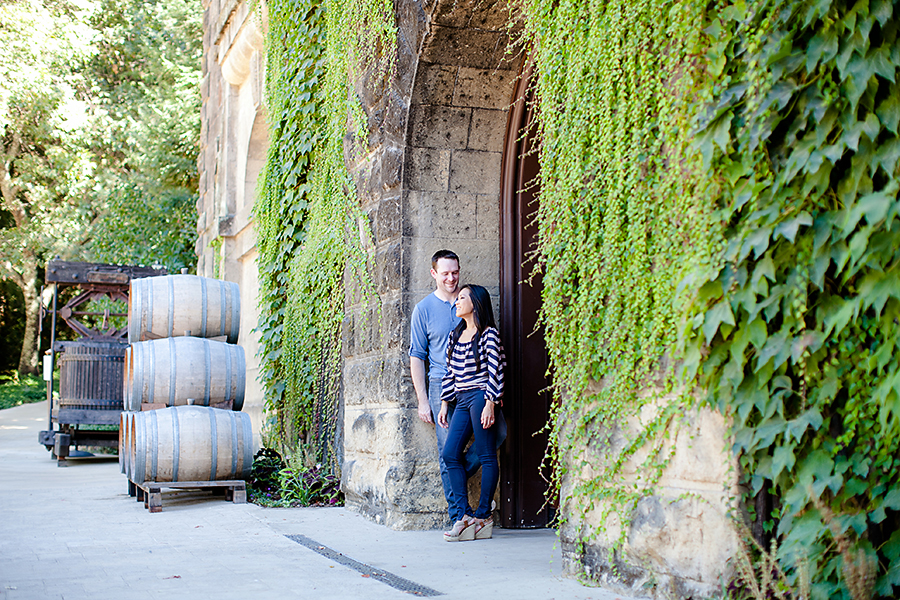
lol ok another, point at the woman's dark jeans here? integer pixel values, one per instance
(465, 421)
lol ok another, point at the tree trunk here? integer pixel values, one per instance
(28, 360)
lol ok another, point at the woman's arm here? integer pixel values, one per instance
(448, 393)
(496, 364)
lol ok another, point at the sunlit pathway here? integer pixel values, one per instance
(75, 533)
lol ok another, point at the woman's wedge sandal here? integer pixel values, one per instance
(463, 531)
(483, 530)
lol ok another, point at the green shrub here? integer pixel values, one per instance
(16, 390)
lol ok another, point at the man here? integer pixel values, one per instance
(432, 320)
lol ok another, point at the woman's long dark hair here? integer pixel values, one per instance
(483, 311)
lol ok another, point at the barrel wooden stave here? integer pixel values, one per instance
(191, 443)
(173, 371)
(171, 305)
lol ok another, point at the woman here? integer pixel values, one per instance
(474, 380)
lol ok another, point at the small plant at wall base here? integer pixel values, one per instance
(276, 483)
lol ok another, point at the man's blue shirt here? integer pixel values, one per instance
(432, 321)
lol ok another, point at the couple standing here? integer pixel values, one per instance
(453, 330)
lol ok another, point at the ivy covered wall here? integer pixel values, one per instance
(718, 222)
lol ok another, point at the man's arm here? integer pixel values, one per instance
(417, 370)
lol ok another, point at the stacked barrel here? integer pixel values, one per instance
(184, 383)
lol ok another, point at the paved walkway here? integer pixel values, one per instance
(74, 533)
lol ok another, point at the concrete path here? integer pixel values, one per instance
(74, 533)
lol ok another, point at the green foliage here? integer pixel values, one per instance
(621, 221)
(796, 329)
(273, 482)
(12, 326)
(147, 225)
(15, 390)
(99, 130)
(308, 224)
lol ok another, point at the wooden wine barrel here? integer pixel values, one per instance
(170, 306)
(126, 431)
(190, 443)
(172, 371)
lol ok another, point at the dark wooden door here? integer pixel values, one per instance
(527, 398)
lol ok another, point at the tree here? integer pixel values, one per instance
(145, 79)
(99, 132)
(43, 173)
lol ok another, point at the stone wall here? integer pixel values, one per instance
(681, 538)
(428, 176)
(233, 141)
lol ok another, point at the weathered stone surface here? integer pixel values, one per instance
(434, 85)
(484, 88)
(441, 215)
(427, 169)
(439, 126)
(488, 130)
(466, 48)
(386, 222)
(479, 262)
(680, 538)
(476, 14)
(487, 217)
(475, 172)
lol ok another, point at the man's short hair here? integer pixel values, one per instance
(443, 254)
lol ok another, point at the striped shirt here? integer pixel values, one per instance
(463, 375)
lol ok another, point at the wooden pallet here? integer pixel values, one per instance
(150, 492)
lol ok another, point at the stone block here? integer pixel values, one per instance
(475, 14)
(387, 267)
(484, 88)
(441, 215)
(475, 172)
(487, 217)
(488, 130)
(386, 222)
(466, 48)
(452, 215)
(427, 169)
(479, 262)
(391, 166)
(438, 126)
(434, 85)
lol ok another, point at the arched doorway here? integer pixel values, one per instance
(522, 486)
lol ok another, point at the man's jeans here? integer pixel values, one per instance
(471, 460)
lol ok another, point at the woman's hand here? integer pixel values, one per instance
(487, 415)
(442, 416)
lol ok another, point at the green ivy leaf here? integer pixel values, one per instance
(788, 229)
(718, 314)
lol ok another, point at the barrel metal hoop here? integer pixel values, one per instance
(214, 436)
(235, 312)
(135, 318)
(139, 468)
(234, 441)
(176, 444)
(207, 350)
(173, 371)
(203, 308)
(151, 382)
(222, 310)
(149, 293)
(154, 445)
(248, 445)
(241, 369)
(171, 322)
(228, 382)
